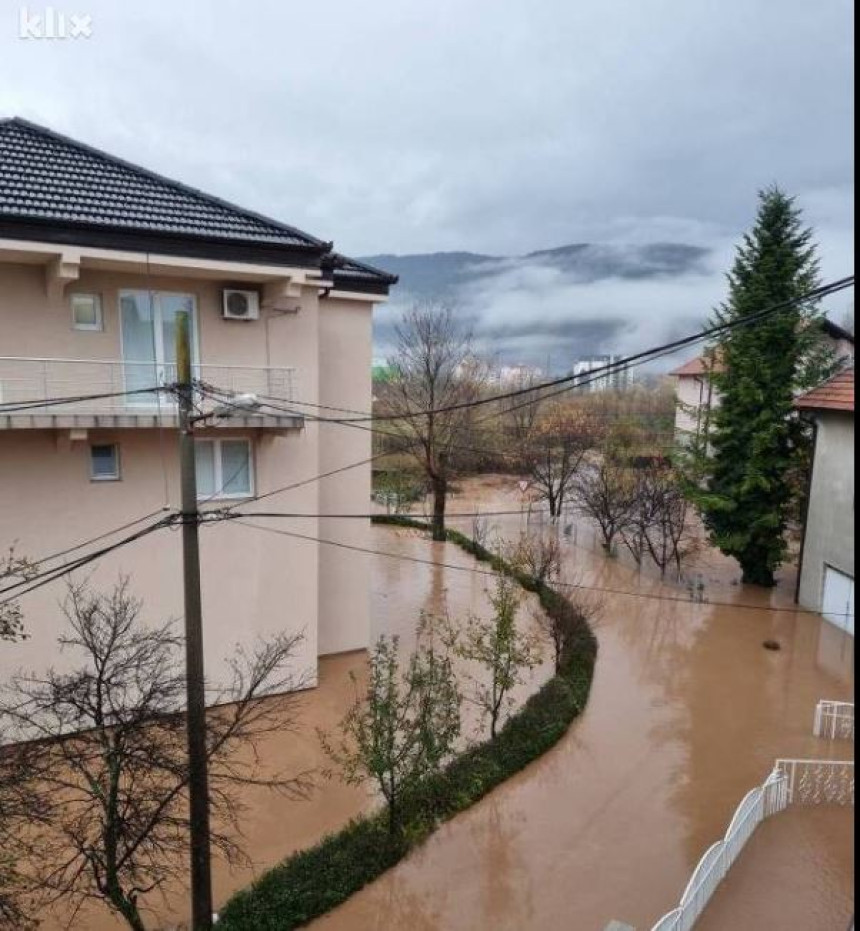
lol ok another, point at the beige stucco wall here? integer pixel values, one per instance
(253, 582)
(830, 522)
(690, 413)
(345, 382)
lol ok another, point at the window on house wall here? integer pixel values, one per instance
(224, 468)
(87, 312)
(104, 462)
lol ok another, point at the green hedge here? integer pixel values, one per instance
(314, 881)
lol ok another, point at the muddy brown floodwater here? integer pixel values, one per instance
(687, 713)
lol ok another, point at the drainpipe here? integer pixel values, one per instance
(806, 503)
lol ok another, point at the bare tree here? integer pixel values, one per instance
(403, 728)
(666, 529)
(19, 807)
(435, 378)
(519, 416)
(105, 757)
(605, 492)
(560, 441)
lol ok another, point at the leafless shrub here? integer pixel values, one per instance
(537, 554)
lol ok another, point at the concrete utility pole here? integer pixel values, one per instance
(198, 778)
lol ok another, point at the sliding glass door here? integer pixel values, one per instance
(148, 328)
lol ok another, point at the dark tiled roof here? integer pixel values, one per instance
(46, 176)
(351, 268)
(56, 188)
(836, 394)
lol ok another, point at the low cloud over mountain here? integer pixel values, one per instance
(563, 303)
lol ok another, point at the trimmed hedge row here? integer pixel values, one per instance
(314, 881)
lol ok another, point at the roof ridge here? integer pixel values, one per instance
(163, 179)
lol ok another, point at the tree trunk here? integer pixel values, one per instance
(754, 573)
(440, 492)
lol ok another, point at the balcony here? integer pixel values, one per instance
(28, 381)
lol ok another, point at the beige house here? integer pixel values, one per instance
(826, 573)
(697, 396)
(97, 257)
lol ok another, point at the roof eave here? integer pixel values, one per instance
(142, 240)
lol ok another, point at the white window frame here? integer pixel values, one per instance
(114, 477)
(219, 480)
(96, 327)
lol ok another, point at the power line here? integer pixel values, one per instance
(811, 296)
(571, 382)
(567, 585)
(27, 585)
(12, 407)
(101, 536)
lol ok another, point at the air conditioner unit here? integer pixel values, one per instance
(240, 305)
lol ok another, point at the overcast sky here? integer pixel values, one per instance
(500, 127)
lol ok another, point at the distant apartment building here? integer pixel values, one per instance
(514, 376)
(98, 258)
(591, 372)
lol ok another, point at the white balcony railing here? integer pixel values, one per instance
(26, 380)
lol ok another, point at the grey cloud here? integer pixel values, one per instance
(501, 129)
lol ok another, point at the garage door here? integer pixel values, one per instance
(838, 602)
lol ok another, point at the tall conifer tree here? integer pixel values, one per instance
(755, 440)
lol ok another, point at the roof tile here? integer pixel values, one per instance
(836, 394)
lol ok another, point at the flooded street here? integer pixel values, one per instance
(687, 713)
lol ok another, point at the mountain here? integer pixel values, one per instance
(553, 306)
(448, 274)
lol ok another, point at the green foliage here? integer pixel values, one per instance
(398, 489)
(403, 728)
(746, 498)
(499, 647)
(314, 881)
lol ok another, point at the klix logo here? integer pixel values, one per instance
(52, 24)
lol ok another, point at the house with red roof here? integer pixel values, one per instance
(826, 570)
(697, 397)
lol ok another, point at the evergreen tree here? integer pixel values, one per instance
(755, 440)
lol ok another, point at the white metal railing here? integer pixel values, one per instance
(35, 379)
(818, 782)
(797, 782)
(834, 720)
(760, 803)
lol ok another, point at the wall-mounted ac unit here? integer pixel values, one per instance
(240, 305)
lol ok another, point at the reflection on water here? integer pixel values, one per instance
(687, 713)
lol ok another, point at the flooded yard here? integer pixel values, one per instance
(807, 854)
(687, 712)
